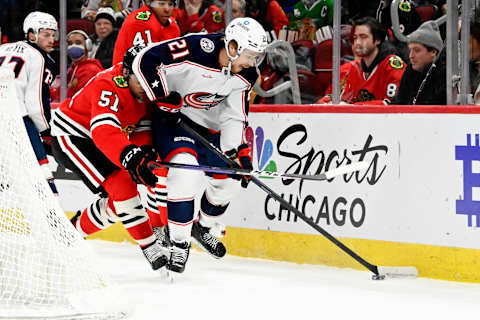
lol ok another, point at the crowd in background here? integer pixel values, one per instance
(306, 24)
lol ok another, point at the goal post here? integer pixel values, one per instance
(47, 270)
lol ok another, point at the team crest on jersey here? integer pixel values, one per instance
(216, 17)
(143, 15)
(396, 62)
(128, 129)
(207, 45)
(203, 100)
(120, 81)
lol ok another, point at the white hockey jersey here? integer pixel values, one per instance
(189, 65)
(34, 71)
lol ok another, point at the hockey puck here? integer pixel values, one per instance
(378, 277)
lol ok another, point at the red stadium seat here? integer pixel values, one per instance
(80, 24)
(427, 12)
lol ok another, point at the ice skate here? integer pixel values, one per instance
(156, 255)
(206, 241)
(179, 256)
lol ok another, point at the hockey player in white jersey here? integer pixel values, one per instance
(208, 77)
(34, 71)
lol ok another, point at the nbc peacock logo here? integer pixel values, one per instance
(262, 148)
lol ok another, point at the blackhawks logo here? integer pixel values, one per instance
(143, 15)
(120, 81)
(396, 62)
(216, 17)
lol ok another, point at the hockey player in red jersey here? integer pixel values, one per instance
(374, 77)
(199, 15)
(208, 76)
(103, 134)
(150, 23)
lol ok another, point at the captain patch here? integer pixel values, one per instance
(207, 45)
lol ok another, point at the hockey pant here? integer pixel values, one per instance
(120, 201)
(183, 186)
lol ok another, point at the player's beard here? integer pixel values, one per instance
(363, 50)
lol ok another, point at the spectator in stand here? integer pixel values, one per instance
(475, 60)
(152, 22)
(121, 9)
(239, 8)
(424, 82)
(374, 77)
(199, 15)
(320, 13)
(82, 68)
(269, 13)
(104, 37)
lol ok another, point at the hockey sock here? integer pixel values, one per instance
(135, 220)
(180, 218)
(157, 203)
(94, 218)
(209, 213)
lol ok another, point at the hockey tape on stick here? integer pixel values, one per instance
(401, 271)
(258, 173)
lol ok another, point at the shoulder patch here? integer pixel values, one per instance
(396, 62)
(120, 81)
(217, 17)
(207, 45)
(405, 6)
(143, 15)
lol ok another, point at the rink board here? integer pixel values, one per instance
(417, 203)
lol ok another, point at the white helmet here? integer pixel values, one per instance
(36, 20)
(248, 34)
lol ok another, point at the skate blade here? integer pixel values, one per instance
(166, 275)
(397, 272)
(198, 245)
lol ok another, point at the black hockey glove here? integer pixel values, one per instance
(135, 159)
(47, 141)
(243, 156)
(171, 103)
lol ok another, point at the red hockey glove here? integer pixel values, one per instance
(171, 103)
(135, 159)
(243, 156)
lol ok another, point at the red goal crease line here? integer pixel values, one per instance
(316, 108)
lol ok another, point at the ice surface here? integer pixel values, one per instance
(243, 288)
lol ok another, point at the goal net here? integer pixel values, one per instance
(47, 270)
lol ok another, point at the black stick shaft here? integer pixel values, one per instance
(283, 202)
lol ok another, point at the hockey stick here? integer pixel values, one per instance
(258, 173)
(378, 271)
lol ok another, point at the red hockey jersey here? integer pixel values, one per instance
(378, 87)
(212, 20)
(142, 27)
(105, 111)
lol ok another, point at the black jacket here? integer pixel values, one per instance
(434, 91)
(105, 51)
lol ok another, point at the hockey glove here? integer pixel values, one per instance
(135, 159)
(171, 103)
(47, 141)
(242, 156)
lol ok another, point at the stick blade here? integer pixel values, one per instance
(398, 272)
(355, 166)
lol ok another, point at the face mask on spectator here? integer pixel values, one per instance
(75, 51)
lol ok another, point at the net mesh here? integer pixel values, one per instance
(46, 269)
